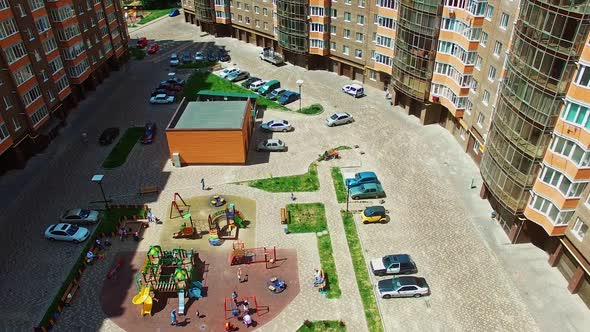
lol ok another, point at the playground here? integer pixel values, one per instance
(192, 221)
(171, 274)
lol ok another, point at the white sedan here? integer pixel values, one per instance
(162, 99)
(277, 125)
(80, 216)
(66, 232)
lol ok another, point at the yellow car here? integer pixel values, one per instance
(375, 214)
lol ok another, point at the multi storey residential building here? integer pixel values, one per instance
(52, 52)
(507, 78)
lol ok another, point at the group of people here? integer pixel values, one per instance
(100, 245)
(318, 278)
(246, 318)
(123, 233)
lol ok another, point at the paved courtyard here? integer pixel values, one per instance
(478, 282)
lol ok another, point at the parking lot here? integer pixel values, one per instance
(424, 173)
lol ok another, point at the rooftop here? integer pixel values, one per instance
(211, 115)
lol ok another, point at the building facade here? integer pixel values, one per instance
(52, 53)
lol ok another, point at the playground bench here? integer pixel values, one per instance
(283, 216)
(70, 292)
(149, 190)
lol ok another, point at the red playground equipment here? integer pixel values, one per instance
(240, 255)
(174, 206)
(232, 311)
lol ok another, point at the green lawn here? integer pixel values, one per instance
(154, 14)
(295, 183)
(329, 266)
(307, 217)
(312, 109)
(322, 326)
(119, 154)
(362, 275)
(207, 81)
(339, 185)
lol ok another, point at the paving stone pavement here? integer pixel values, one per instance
(463, 254)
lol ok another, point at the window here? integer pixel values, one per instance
(30, 34)
(387, 22)
(384, 41)
(8, 28)
(462, 132)
(33, 94)
(383, 59)
(345, 49)
(23, 74)
(348, 2)
(391, 4)
(478, 61)
(68, 32)
(570, 150)
(100, 14)
(36, 4)
(333, 46)
(111, 17)
(257, 9)
(480, 119)
(61, 14)
(561, 182)
(7, 102)
(265, 11)
(497, 48)
(4, 4)
(583, 76)
(265, 25)
(316, 43)
(361, 3)
(219, 14)
(55, 65)
(579, 229)
(486, 97)
(484, 39)
(15, 124)
(476, 147)
(73, 52)
(347, 17)
(334, 13)
(39, 114)
(447, 47)
(4, 133)
(360, 19)
(317, 27)
(333, 29)
(239, 5)
(79, 69)
(247, 19)
(360, 37)
(372, 75)
(492, 73)
(504, 21)
(247, 7)
(239, 18)
(358, 53)
(489, 12)
(576, 114)
(473, 85)
(347, 33)
(257, 23)
(62, 83)
(50, 95)
(15, 52)
(21, 10)
(316, 11)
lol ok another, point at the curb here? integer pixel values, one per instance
(147, 24)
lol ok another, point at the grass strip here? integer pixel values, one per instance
(119, 154)
(312, 109)
(362, 275)
(295, 183)
(322, 326)
(154, 14)
(329, 266)
(339, 185)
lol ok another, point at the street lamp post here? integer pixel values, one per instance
(347, 197)
(98, 179)
(299, 84)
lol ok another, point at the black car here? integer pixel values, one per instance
(187, 58)
(212, 56)
(108, 136)
(149, 132)
(252, 79)
(223, 55)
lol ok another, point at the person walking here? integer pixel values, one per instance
(203, 183)
(239, 275)
(173, 317)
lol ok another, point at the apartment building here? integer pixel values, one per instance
(52, 53)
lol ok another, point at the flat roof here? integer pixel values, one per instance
(226, 94)
(212, 115)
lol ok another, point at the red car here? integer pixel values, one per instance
(142, 42)
(153, 48)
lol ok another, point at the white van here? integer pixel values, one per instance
(355, 90)
(257, 85)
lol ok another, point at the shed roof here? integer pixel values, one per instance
(227, 94)
(212, 115)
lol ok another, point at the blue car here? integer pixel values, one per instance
(360, 178)
(174, 12)
(288, 97)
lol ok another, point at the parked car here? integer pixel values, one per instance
(373, 214)
(229, 70)
(257, 85)
(174, 12)
(393, 264)
(149, 131)
(367, 190)
(223, 55)
(275, 94)
(163, 91)
(360, 178)
(288, 97)
(174, 60)
(170, 87)
(199, 56)
(80, 216)
(212, 56)
(141, 42)
(355, 90)
(241, 75)
(66, 232)
(268, 87)
(108, 136)
(162, 99)
(250, 80)
(405, 286)
(271, 145)
(277, 125)
(174, 80)
(187, 58)
(153, 48)
(337, 119)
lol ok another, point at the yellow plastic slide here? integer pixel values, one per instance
(144, 298)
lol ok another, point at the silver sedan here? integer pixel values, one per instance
(277, 125)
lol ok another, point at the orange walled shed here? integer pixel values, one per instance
(211, 132)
